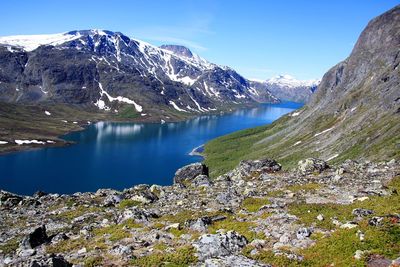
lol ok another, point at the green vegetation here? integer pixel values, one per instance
(128, 112)
(127, 203)
(10, 246)
(76, 212)
(268, 257)
(117, 231)
(380, 205)
(253, 204)
(338, 247)
(93, 261)
(182, 256)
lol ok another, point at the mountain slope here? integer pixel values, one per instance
(355, 113)
(108, 71)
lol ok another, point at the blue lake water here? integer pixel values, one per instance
(120, 155)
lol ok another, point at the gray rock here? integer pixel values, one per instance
(362, 212)
(303, 233)
(211, 246)
(189, 173)
(311, 165)
(233, 261)
(375, 221)
(201, 180)
(112, 200)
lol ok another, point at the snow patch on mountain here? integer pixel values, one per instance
(291, 82)
(31, 42)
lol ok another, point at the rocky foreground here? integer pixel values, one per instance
(255, 215)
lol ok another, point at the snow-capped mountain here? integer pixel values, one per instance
(109, 71)
(291, 82)
(286, 87)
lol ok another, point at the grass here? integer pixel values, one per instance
(242, 227)
(128, 112)
(253, 204)
(182, 256)
(127, 203)
(381, 206)
(339, 246)
(117, 232)
(10, 246)
(76, 212)
(93, 261)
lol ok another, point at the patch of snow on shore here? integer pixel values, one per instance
(27, 142)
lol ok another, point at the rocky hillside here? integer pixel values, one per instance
(108, 71)
(287, 88)
(355, 113)
(254, 215)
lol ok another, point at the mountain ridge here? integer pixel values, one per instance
(354, 114)
(195, 84)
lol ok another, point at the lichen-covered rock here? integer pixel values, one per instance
(189, 173)
(311, 165)
(248, 168)
(211, 246)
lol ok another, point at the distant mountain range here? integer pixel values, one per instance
(286, 87)
(108, 71)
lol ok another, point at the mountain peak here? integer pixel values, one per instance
(179, 50)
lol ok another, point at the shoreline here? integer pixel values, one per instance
(12, 147)
(197, 151)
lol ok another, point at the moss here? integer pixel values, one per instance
(93, 261)
(127, 203)
(76, 212)
(177, 232)
(68, 245)
(182, 256)
(268, 257)
(127, 112)
(10, 246)
(117, 232)
(253, 204)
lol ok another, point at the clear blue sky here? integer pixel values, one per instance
(259, 39)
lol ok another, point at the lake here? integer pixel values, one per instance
(121, 155)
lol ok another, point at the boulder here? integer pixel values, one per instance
(53, 261)
(8, 199)
(217, 245)
(201, 180)
(189, 173)
(36, 238)
(311, 165)
(112, 200)
(362, 212)
(248, 168)
(261, 166)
